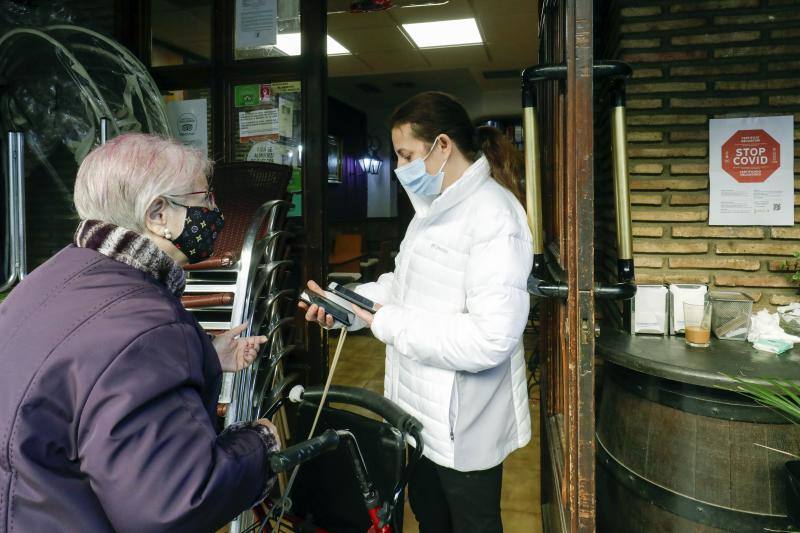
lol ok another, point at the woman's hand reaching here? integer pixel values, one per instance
(237, 354)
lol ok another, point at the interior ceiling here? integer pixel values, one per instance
(382, 57)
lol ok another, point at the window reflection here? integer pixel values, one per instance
(181, 32)
(268, 119)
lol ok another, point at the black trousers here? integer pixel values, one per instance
(446, 500)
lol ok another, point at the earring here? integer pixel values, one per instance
(168, 234)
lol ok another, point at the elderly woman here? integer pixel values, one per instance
(108, 387)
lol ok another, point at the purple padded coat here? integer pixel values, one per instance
(108, 390)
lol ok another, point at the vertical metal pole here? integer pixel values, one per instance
(103, 130)
(22, 248)
(621, 190)
(533, 188)
(11, 194)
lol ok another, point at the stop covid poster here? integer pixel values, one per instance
(751, 171)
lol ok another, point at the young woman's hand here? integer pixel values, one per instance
(314, 313)
(364, 315)
(236, 354)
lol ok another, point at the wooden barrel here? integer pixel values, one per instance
(675, 456)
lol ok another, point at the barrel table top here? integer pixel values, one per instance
(669, 357)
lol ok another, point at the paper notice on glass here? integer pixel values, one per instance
(751, 171)
(285, 117)
(270, 152)
(188, 122)
(256, 23)
(258, 125)
(285, 87)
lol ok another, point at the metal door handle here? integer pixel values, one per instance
(540, 283)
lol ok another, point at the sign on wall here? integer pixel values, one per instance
(751, 171)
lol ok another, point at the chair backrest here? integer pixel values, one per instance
(346, 253)
(347, 245)
(241, 188)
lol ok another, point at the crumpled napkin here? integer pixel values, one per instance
(793, 308)
(765, 326)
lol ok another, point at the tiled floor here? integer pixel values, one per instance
(361, 365)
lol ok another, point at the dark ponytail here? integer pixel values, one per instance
(433, 113)
(504, 159)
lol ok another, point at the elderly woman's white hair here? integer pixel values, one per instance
(118, 181)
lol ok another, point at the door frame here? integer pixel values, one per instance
(567, 407)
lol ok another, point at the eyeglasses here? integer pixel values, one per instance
(208, 196)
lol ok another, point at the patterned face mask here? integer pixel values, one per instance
(200, 229)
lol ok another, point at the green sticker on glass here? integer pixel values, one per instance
(297, 206)
(247, 95)
(296, 183)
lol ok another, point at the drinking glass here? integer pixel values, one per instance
(697, 320)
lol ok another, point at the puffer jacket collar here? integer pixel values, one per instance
(132, 249)
(475, 175)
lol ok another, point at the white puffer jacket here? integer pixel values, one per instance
(453, 315)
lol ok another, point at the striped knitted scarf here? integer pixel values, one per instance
(133, 249)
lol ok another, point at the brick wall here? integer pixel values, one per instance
(695, 60)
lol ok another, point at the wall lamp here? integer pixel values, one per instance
(371, 161)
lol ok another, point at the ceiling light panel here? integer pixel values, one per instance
(289, 44)
(335, 48)
(461, 32)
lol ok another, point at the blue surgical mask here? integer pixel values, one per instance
(415, 178)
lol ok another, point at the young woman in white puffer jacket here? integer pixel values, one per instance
(454, 311)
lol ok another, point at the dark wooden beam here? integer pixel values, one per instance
(315, 166)
(132, 26)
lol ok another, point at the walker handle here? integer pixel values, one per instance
(376, 403)
(305, 451)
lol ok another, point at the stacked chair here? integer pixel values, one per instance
(247, 279)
